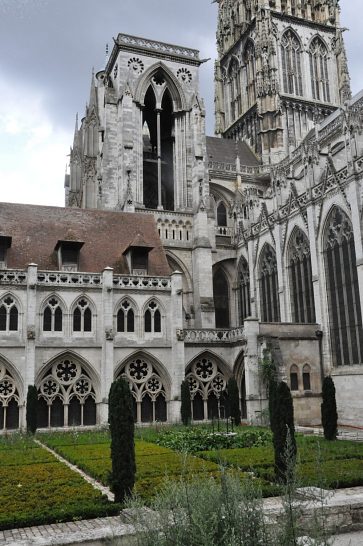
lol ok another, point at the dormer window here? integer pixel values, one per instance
(68, 255)
(137, 256)
(5, 244)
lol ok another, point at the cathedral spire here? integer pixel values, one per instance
(93, 93)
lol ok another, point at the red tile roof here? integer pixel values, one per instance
(35, 231)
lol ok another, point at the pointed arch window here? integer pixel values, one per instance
(294, 378)
(244, 290)
(148, 390)
(126, 317)
(221, 214)
(291, 63)
(66, 395)
(221, 299)
(152, 318)
(9, 400)
(319, 73)
(268, 283)
(9, 315)
(53, 316)
(235, 89)
(300, 276)
(345, 316)
(249, 72)
(82, 316)
(307, 377)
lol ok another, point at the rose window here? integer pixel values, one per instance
(139, 370)
(184, 75)
(66, 371)
(49, 387)
(218, 383)
(153, 385)
(82, 386)
(7, 388)
(136, 65)
(205, 369)
(193, 383)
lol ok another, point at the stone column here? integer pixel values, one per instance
(107, 364)
(177, 368)
(256, 400)
(30, 333)
(202, 273)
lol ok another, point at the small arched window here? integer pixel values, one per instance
(294, 378)
(152, 318)
(126, 318)
(82, 316)
(53, 316)
(9, 315)
(221, 214)
(268, 281)
(301, 284)
(244, 290)
(306, 378)
(291, 63)
(319, 74)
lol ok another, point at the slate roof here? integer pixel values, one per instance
(35, 231)
(225, 150)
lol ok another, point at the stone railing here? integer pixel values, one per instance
(169, 49)
(224, 231)
(209, 335)
(141, 283)
(64, 278)
(174, 228)
(13, 276)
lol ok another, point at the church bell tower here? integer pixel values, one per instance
(281, 68)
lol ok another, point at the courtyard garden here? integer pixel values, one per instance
(36, 488)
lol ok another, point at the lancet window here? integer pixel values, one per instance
(9, 400)
(148, 390)
(221, 214)
(66, 396)
(244, 290)
(9, 315)
(300, 275)
(126, 317)
(207, 385)
(294, 378)
(345, 316)
(268, 282)
(249, 74)
(319, 70)
(82, 316)
(235, 89)
(152, 318)
(291, 63)
(53, 316)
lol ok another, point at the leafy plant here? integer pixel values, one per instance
(121, 421)
(329, 414)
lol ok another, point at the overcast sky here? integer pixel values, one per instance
(48, 49)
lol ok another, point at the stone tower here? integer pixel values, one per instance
(281, 68)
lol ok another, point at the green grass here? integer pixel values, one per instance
(36, 489)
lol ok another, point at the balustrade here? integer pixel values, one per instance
(209, 335)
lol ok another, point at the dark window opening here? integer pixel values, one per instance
(47, 320)
(147, 321)
(221, 299)
(294, 381)
(221, 215)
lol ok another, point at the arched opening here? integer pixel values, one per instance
(158, 148)
(291, 63)
(221, 215)
(9, 400)
(268, 282)
(147, 388)
(221, 299)
(307, 377)
(294, 378)
(244, 290)
(345, 317)
(319, 72)
(300, 276)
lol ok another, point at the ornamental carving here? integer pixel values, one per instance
(8, 388)
(143, 379)
(338, 229)
(136, 66)
(184, 75)
(299, 246)
(206, 378)
(66, 380)
(268, 263)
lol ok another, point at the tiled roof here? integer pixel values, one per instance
(35, 231)
(226, 150)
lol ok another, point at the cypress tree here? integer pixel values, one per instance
(186, 410)
(121, 421)
(329, 414)
(32, 409)
(233, 399)
(283, 431)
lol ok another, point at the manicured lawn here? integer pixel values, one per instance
(153, 462)
(35, 488)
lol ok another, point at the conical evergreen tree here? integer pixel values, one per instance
(186, 410)
(233, 401)
(283, 430)
(32, 409)
(329, 414)
(121, 420)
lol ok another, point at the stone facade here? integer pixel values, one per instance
(181, 255)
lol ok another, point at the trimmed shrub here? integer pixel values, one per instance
(186, 410)
(233, 399)
(329, 414)
(283, 432)
(31, 409)
(121, 421)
